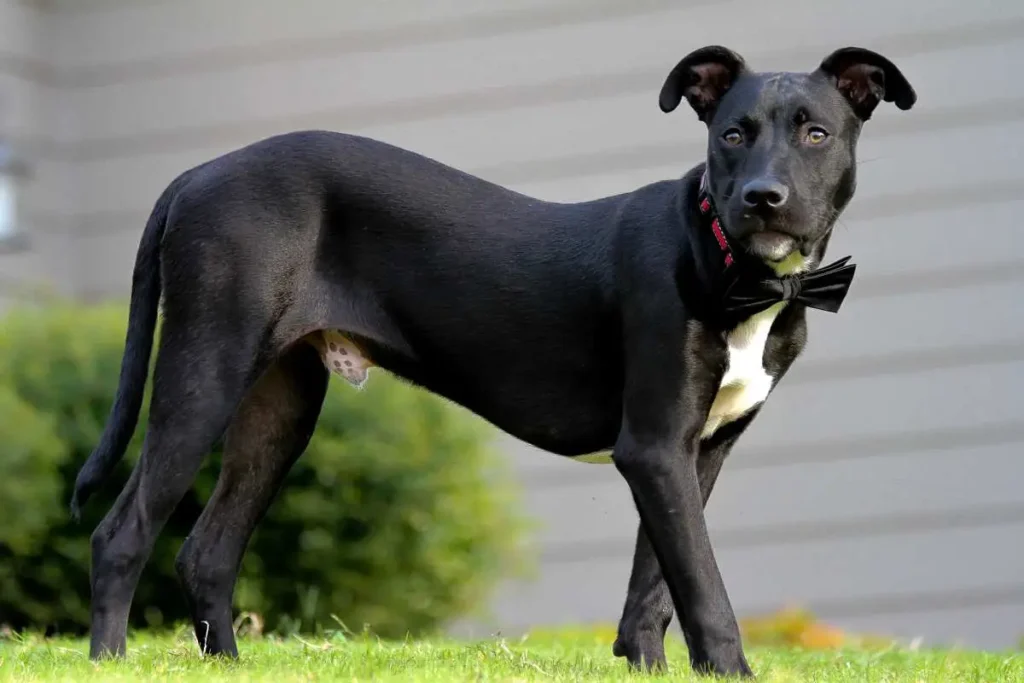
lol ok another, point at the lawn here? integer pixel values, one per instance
(559, 656)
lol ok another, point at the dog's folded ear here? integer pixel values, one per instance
(702, 77)
(865, 78)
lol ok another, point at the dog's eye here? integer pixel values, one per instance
(816, 136)
(733, 137)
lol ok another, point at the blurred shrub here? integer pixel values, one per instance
(396, 518)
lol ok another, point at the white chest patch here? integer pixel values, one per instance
(745, 384)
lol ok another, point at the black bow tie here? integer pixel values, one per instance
(753, 288)
(824, 289)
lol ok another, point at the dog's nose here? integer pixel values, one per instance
(765, 194)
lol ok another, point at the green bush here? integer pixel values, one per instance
(396, 518)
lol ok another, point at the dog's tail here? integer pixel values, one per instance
(142, 318)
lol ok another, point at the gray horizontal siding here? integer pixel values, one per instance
(45, 267)
(536, 67)
(900, 584)
(24, 115)
(848, 496)
(537, 471)
(576, 150)
(563, 144)
(20, 33)
(757, 505)
(832, 575)
(878, 486)
(16, 34)
(939, 458)
(194, 37)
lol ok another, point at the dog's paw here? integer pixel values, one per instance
(731, 666)
(643, 652)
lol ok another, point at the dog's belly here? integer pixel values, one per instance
(546, 423)
(744, 385)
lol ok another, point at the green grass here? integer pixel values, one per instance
(565, 656)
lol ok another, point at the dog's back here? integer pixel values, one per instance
(319, 230)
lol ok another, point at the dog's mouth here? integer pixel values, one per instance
(771, 245)
(768, 238)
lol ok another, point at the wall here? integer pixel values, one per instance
(881, 485)
(26, 98)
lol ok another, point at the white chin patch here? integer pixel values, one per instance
(342, 357)
(772, 246)
(778, 253)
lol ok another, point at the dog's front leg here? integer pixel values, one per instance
(672, 367)
(648, 609)
(667, 495)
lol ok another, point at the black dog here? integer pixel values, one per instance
(654, 323)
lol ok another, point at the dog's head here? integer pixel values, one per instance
(781, 160)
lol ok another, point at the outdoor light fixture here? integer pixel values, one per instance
(13, 233)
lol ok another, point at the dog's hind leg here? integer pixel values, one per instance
(198, 383)
(269, 432)
(648, 610)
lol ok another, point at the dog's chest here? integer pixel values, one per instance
(745, 383)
